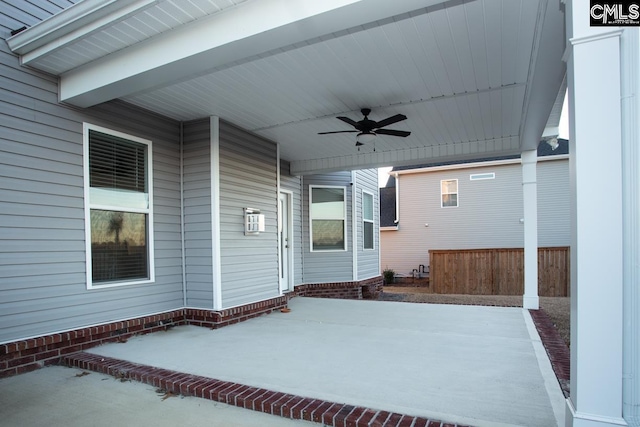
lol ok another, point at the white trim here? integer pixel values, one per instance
(70, 23)
(182, 225)
(86, 127)
(216, 263)
(389, 228)
(477, 165)
(592, 419)
(278, 216)
(372, 220)
(354, 227)
(457, 193)
(397, 220)
(344, 198)
(596, 37)
(291, 243)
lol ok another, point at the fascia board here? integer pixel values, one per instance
(221, 40)
(71, 24)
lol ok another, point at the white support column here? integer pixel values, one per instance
(215, 212)
(596, 211)
(530, 299)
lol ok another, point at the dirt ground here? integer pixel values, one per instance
(558, 308)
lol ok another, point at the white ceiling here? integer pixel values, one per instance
(474, 78)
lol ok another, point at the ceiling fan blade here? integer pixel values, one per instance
(347, 120)
(393, 132)
(338, 131)
(391, 120)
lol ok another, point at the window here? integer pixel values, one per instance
(367, 220)
(327, 218)
(449, 192)
(118, 208)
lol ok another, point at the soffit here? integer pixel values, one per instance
(465, 73)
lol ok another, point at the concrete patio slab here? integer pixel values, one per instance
(481, 366)
(59, 396)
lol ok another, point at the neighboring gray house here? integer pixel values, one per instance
(114, 213)
(473, 205)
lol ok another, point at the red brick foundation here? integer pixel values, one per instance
(33, 353)
(363, 289)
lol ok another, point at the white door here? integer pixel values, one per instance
(284, 230)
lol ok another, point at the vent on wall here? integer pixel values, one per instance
(481, 176)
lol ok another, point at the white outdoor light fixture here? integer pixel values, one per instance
(364, 137)
(553, 143)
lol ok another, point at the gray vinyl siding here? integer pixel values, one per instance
(294, 184)
(368, 260)
(248, 179)
(197, 214)
(319, 266)
(42, 255)
(554, 220)
(488, 213)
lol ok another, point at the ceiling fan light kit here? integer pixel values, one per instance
(368, 129)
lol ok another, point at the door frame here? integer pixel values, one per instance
(285, 281)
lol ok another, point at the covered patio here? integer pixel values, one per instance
(468, 365)
(475, 79)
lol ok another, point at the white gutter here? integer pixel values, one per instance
(490, 163)
(73, 23)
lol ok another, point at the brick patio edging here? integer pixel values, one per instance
(331, 414)
(556, 348)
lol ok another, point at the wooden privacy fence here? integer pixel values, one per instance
(497, 271)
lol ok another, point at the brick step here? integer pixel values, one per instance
(331, 414)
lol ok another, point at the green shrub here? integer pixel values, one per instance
(388, 275)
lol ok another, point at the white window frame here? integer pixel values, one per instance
(311, 218)
(88, 206)
(371, 221)
(457, 193)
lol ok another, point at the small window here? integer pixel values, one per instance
(118, 208)
(367, 220)
(449, 193)
(328, 218)
(482, 176)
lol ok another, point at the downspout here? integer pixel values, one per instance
(302, 235)
(279, 219)
(397, 220)
(354, 227)
(182, 244)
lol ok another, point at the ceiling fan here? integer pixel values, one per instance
(368, 129)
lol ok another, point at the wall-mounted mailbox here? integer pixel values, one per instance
(253, 222)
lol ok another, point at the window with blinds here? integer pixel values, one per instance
(367, 220)
(118, 203)
(327, 218)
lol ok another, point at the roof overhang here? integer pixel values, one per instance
(477, 78)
